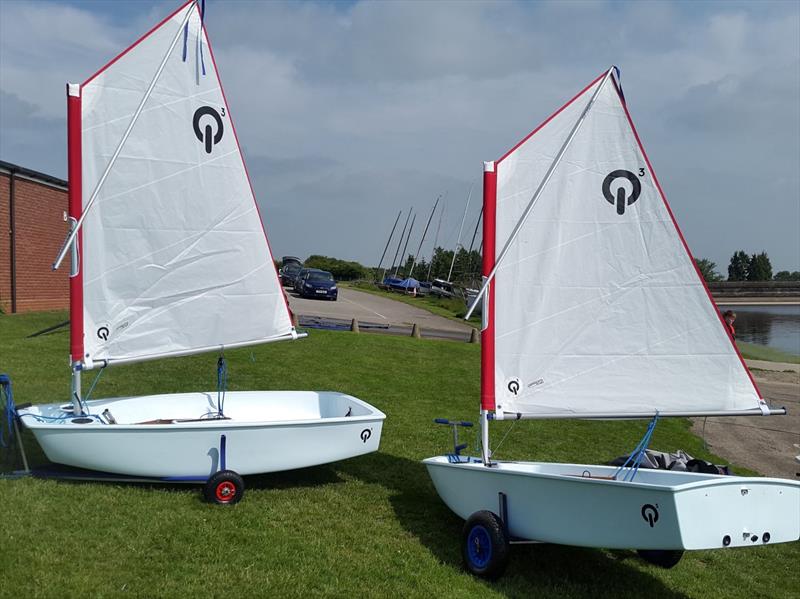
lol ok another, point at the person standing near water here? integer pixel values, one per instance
(729, 316)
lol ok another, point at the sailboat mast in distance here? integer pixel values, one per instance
(425, 232)
(435, 241)
(400, 241)
(468, 271)
(405, 247)
(386, 247)
(460, 231)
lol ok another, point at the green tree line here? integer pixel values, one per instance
(745, 267)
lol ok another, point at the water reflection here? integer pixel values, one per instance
(774, 326)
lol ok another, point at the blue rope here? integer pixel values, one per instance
(619, 82)
(202, 10)
(200, 33)
(635, 459)
(185, 40)
(222, 383)
(42, 418)
(91, 388)
(9, 409)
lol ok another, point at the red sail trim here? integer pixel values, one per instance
(75, 209)
(137, 42)
(550, 118)
(683, 240)
(247, 174)
(489, 251)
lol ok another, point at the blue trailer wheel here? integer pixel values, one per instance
(485, 546)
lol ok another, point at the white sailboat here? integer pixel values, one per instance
(593, 308)
(170, 258)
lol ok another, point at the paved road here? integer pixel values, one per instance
(379, 312)
(761, 444)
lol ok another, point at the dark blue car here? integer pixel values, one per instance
(318, 283)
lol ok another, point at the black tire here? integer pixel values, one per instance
(484, 545)
(663, 558)
(224, 488)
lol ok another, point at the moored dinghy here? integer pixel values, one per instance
(593, 308)
(170, 258)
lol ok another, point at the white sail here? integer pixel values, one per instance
(598, 307)
(174, 255)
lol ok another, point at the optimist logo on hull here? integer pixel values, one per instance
(621, 199)
(207, 135)
(650, 514)
(366, 434)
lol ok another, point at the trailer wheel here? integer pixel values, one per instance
(663, 558)
(224, 488)
(484, 545)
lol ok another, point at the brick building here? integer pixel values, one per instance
(33, 224)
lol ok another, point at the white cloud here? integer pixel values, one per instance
(348, 112)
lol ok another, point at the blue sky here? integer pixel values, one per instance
(350, 111)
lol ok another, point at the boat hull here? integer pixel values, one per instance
(575, 504)
(267, 431)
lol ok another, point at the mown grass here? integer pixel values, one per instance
(368, 527)
(449, 307)
(752, 351)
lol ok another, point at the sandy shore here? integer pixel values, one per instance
(761, 444)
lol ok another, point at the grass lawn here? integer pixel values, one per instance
(368, 527)
(761, 352)
(452, 308)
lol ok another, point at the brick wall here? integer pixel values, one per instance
(5, 246)
(39, 211)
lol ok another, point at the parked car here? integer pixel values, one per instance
(318, 283)
(286, 260)
(288, 273)
(297, 278)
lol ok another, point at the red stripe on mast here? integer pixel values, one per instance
(75, 209)
(487, 334)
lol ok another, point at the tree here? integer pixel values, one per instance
(760, 268)
(708, 269)
(341, 270)
(737, 269)
(785, 275)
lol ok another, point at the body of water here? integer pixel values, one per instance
(775, 326)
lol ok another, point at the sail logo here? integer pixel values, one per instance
(207, 135)
(622, 199)
(102, 333)
(513, 386)
(650, 514)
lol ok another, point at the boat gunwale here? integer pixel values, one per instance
(375, 415)
(706, 481)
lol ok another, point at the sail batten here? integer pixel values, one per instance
(175, 256)
(598, 307)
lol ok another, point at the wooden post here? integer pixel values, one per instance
(415, 333)
(473, 336)
(354, 326)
